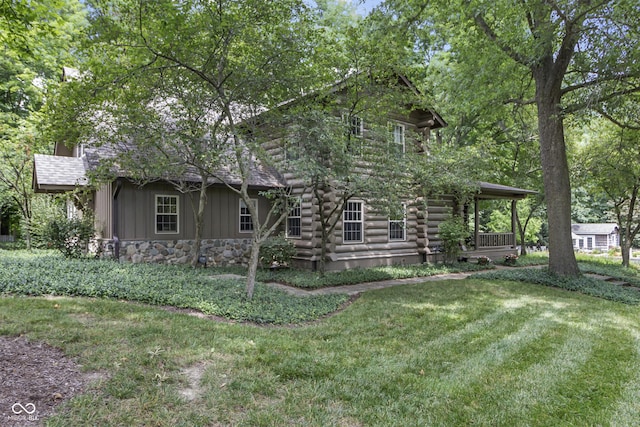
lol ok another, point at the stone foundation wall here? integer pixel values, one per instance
(219, 252)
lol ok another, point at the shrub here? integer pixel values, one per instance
(71, 236)
(452, 232)
(276, 251)
(484, 260)
(510, 259)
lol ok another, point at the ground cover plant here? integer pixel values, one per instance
(440, 353)
(594, 269)
(312, 280)
(46, 273)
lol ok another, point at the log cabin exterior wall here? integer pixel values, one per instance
(376, 247)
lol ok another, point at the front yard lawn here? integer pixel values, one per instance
(441, 353)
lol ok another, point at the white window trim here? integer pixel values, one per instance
(348, 242)
(242, 205)
(403, 221)
(80, 150)
(298, 204)
(177, 214)
(347, 119)
(392, 140)
(357, 140)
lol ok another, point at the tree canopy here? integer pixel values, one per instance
(562, 57)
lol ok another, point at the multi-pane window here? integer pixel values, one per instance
(396, 139)
(166, 214)
(294, 220)
(356, 126)
(398, 226)
(355, 133)
(246, 223)
(352, 222)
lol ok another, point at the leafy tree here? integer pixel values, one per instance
(339, 149)
(338, 144)
(37, 38)
(181, 82)
(446, 170)
(611, 160)
(563, 56)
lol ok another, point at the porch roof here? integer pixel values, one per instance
(489, 190)
(54, 174)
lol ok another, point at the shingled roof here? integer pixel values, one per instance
(57, 174)
(593, 229)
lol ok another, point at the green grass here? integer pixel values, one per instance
(443, 353)
(593, 286)
(46, 273)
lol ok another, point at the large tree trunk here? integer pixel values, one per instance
(555, 175)
(625, 248)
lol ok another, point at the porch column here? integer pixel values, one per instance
(476, 223)
(513, 221)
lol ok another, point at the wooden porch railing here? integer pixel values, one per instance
(492, 240)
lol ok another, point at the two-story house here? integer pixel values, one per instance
(154, 222)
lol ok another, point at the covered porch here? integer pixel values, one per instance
(494, 245)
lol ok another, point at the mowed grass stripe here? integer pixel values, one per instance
(626, 411)
(537, 388)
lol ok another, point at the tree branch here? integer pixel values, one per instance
(615, 121)
(508, 50)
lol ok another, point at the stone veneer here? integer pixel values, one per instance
(219, 252)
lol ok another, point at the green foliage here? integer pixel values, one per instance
(453, 232)
(277, 251)
(314, 280)
(45, 210)
(46, 274)
(587, 285)
(71, 236)
(469, 352)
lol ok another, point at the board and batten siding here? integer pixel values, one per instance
(136, 213)
(103, 211)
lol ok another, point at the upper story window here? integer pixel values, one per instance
(355, 133)
(167, 214)
(79, 150)
(352, 222)
(396, 138)
(246, 222)
(356, 126)
(294, 220)
(398, 226)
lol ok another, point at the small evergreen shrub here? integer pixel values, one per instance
(276, 251)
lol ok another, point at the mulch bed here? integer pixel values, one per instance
(35, 378)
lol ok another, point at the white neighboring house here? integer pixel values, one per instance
(595, 236)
